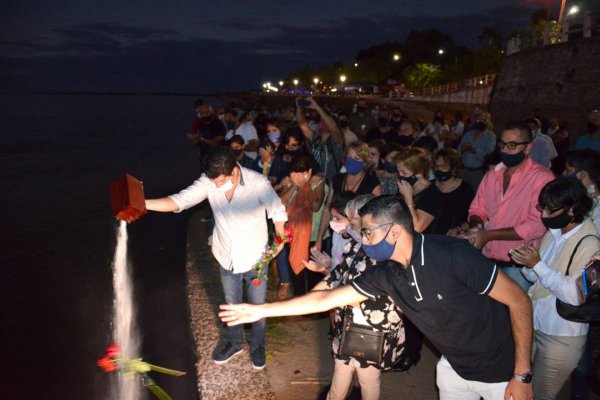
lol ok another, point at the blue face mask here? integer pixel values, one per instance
(353, 167)
(381, 251)
(274, 136)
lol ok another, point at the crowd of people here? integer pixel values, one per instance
(451, 230)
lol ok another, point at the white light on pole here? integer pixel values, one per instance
(441, 51)
(315, 80)
(280, 83)
(342, 78)
(356, 64)
(573, 10)
(396, 57)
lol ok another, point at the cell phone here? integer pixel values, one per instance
(303, 103)
(589, 277)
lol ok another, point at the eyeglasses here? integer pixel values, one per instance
(510, 145)
(366, 232)
(541, 208)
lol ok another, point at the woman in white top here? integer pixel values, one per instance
(558, 343)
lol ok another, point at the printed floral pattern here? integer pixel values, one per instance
(381, 313)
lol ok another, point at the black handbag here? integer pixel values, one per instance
(588, 311)
(360, 341)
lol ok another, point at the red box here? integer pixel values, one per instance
(127, 198)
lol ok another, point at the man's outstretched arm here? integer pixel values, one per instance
(310, 303)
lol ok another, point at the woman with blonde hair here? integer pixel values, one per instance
(359, 178)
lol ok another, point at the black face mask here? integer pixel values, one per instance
(410, 179)
(442, 176)
(388, 167)
(343, 123)
(558, 222)
(512, 160)
(361, 109)
(207, 119)
(238, 152)
(382, 122)
(405, 141)
(592, 127)
(295, 153)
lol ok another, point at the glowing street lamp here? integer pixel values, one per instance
(396, 57)
(573, 10)
(356, 64)
(280, 83)
(441, 51)
(342, 78)
(316, 80)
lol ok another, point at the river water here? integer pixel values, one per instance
(58, 156)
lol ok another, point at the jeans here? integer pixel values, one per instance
(515, 274)
(233, 287)
(283, 264)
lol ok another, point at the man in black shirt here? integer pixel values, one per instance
(478, 318)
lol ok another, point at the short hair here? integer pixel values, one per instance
(379, 144)
(388, 208)
(586, 160)
(426, 142)
(415, 161)
(362, 149)
(340, 200)
(565, 192)
(413, 124)
(301, 163)
(237, 139)
(453, 159)
(220, 161)
(389, 148)
(521, 127)
(356, 203)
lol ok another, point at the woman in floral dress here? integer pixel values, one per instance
(380, 314)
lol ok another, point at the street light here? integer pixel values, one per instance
(573, 10)
(315, 80)
(342, 78)
(396, 57)
(441, 51)
(356, 64)
(280, 83)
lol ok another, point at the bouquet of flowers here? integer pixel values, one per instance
(115, 360)
(270, 254)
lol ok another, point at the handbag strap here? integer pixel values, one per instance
(575, 250)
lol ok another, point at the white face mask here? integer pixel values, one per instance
(338, 226)
(225, 187)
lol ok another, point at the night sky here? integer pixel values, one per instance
(208, 46)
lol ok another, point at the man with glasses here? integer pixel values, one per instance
(503, 214)
(480, 320)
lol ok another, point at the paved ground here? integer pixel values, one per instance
(298, 351)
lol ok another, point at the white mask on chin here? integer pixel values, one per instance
(225, 187)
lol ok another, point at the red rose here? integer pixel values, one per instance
(113, 351)
(256, 282)
(288, 231)
(107, 364)
(278, 240)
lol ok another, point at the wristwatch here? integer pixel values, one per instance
(526, 377)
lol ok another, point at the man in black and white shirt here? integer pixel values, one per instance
(478, 318)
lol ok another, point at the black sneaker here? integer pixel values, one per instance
(258, 358)
(226, 353)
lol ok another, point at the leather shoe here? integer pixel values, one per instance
(405, 363)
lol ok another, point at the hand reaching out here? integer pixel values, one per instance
(235, 314)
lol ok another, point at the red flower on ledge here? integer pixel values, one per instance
(287, 237)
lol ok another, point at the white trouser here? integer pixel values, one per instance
(369, 379)
(453, 387)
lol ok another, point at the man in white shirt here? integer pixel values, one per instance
(239, 198)
(248, 132)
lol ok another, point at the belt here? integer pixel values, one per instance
(507, 264)
(473, 169)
